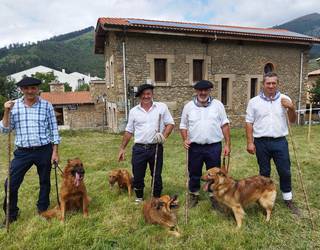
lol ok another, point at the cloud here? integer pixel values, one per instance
(34, 20)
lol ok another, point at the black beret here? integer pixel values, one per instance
(143, 87)
(203, 84)
(28, 81)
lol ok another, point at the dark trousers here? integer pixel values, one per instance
(276, 149)
(141, 156)
(22, 162)
(210, 154)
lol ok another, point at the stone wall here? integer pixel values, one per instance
(238, 60)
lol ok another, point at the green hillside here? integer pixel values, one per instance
(72, 52)
(308, 25)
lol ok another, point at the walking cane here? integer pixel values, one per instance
(300, 173)
(186, 208)
(155, 159)
(8, 176)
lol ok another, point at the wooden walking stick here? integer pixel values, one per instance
(186, 208)
(309, 127)
(300, 173)
(155, 159)
(8, 176)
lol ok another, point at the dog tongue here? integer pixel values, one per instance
(77, 180)
(205, 187)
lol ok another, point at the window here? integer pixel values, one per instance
(224, 90)
(268, 68)
(253, 87)
(160, 70)
(197, 70)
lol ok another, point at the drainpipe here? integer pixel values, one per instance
(300, 85)
(125, 80)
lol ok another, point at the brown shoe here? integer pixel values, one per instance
(295, 210)
(193, 200)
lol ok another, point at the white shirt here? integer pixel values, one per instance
(204, 123)
(268, 118)
(145, 124)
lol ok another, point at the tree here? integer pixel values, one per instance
(315, 92)
(46, 78)
(67, 87)
(83, 87)
(8, 90)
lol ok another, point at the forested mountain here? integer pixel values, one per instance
(72, 52)
(308, 25)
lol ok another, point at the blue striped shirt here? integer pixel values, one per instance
(35, 125)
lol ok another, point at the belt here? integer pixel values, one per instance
(34, 148)
(266, 138)
(146, 146)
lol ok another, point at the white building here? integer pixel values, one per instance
(74, 79)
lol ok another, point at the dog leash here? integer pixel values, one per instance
(55, 166)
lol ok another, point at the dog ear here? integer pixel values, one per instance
(68, 161)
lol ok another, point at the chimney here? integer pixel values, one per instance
(63, 71)
(56, 86)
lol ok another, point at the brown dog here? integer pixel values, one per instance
(123, 178)
(73, 193)
(238, 194)
(161, 211)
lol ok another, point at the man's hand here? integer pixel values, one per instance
(186, 144)
(159, 138)
(226, 150)
(251, 148)
(121, 154)
(286, 103)
(9, 105)
(54, 157)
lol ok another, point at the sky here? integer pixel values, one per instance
(34, 20)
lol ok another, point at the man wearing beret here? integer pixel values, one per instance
(36, 140)
(144, 122)
(204, 124)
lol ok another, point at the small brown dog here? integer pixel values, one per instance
(238, 194)
(162, 211)
(73, 192)
(123, 178)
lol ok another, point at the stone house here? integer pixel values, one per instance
(174, 55)
(78, 110)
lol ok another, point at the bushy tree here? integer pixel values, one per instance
(46, 78)
(315, 92)
(67, 87)
(83, 87)
(8, 90)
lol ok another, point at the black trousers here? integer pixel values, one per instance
(143, 155)
(277, 149)
(22, 162)
(210, 154)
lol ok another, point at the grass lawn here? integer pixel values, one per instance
(115, 222)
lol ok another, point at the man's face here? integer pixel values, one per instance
(203, 94)
(270, 85)
(146, 96)
(30, 92)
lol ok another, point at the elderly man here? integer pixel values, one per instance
(203, 126)
(36, 141)
(144, 122)
(266, 128)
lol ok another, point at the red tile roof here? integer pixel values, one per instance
(81, 97)
(141, 25)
